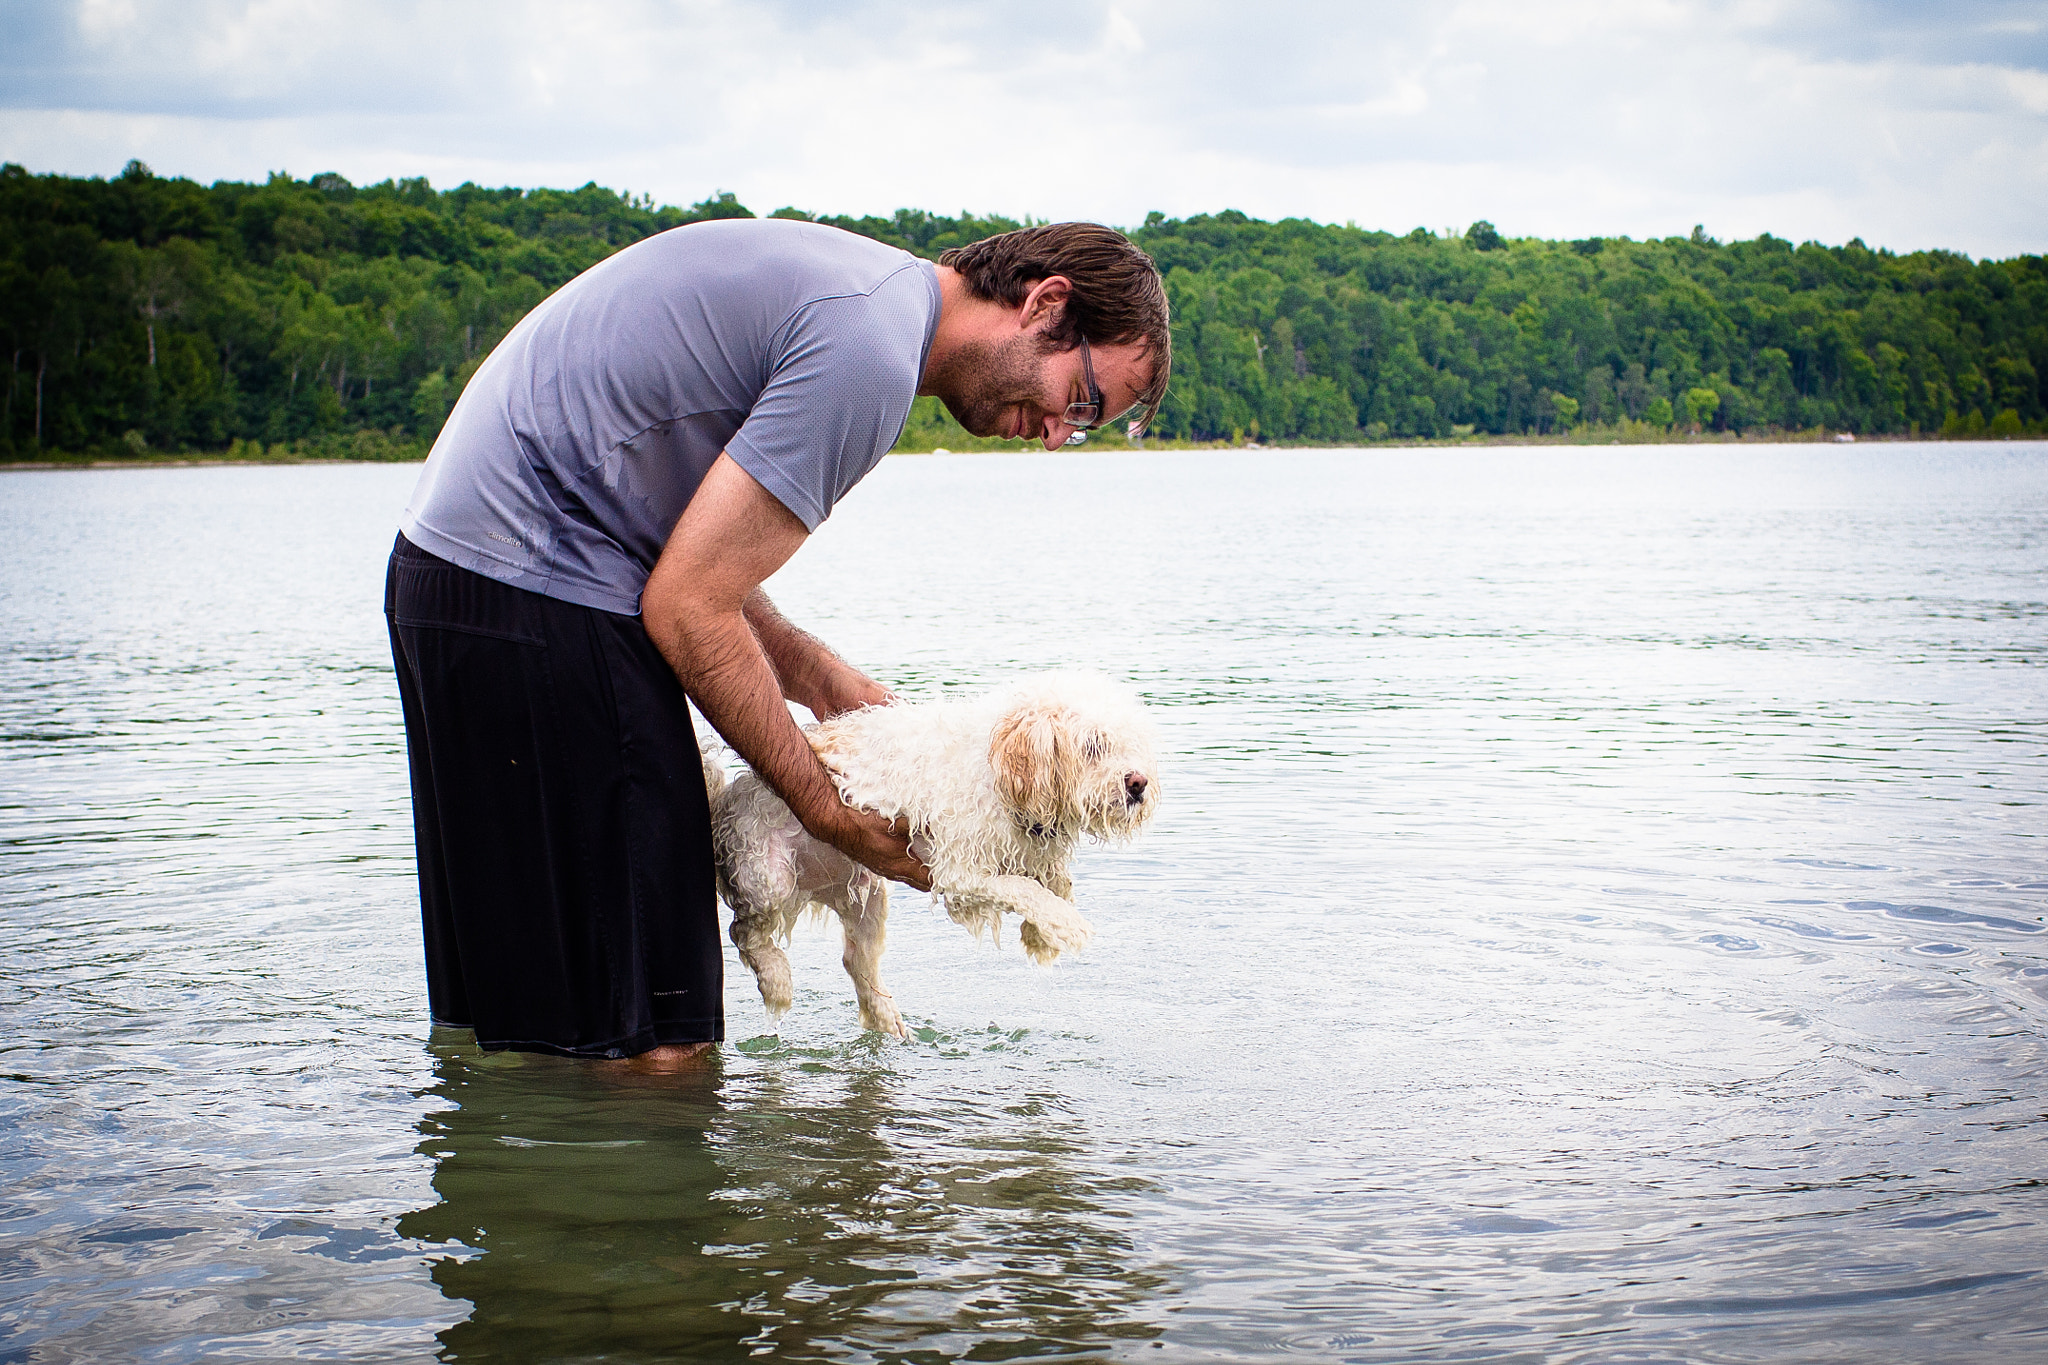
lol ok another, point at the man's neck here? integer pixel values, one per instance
(963, 318)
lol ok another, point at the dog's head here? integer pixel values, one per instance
(1073, 753)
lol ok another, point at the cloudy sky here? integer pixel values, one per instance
(1908, 124)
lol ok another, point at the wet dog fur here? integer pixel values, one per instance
(996, 792)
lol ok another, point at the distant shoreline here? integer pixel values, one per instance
(197, 461)
(343, 322)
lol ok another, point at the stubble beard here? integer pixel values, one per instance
(983, 382)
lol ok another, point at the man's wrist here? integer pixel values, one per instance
(828, 817)
(849, 689)
(820, 690)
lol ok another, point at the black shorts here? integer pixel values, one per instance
(566, 881)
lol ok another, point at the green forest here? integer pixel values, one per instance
(319, 318)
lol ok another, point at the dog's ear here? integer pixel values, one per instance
(1035, 760)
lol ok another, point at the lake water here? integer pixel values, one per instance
(1598, 912)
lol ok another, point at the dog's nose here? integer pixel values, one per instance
(1134, 788)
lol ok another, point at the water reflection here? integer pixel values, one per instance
(787, 1202)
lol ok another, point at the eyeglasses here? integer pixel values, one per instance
(1085, 417)
(1089, 415)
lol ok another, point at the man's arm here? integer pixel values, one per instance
(696, 608)
(811, 674)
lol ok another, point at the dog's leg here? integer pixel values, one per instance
(753, 933)
(1051, 925)
(757, 841)
(863, 908)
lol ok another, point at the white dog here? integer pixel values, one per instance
(995, 792)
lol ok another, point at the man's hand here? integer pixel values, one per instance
(704, 610)
(867, 838)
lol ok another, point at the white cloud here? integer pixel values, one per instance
(1909, 125)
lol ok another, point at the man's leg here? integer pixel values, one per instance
(566, 883)
(446, 1001)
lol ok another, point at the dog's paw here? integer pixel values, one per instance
(1045, 939)
(881, 1016)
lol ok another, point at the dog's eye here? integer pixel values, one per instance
(1092, 748)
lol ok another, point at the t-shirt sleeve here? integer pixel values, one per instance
(838, 395)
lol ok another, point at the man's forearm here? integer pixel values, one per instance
(794, 654)
(810, 673)
(724, 669)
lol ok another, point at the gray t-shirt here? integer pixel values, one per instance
(793, 347)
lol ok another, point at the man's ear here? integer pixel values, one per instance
(1047, 299)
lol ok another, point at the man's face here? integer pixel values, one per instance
(1017, 389)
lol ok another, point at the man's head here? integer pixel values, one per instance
(1083, 322)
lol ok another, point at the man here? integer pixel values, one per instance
(586, 548)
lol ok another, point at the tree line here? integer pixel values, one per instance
(1306, 331)
(150, 313)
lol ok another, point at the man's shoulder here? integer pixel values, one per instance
(809, 260)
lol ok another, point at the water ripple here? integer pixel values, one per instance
(1596, 914)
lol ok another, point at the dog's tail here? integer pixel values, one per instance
(711, 752)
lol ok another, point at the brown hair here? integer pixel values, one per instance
(1118, 296)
